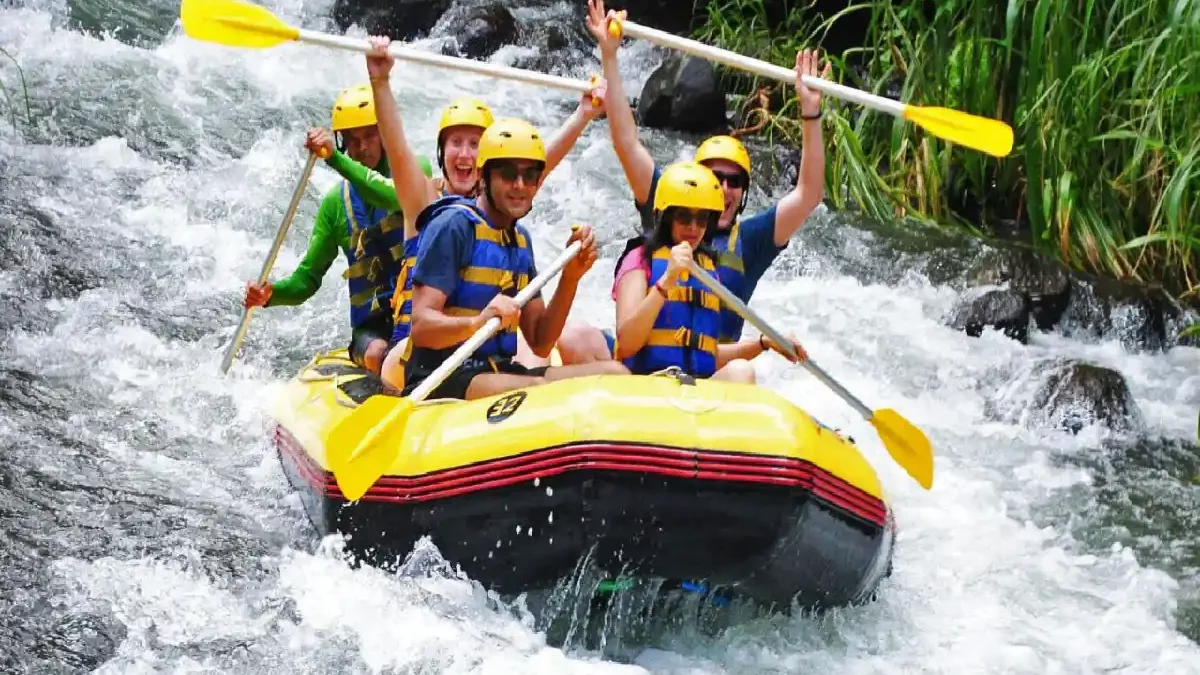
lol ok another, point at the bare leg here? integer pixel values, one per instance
(490, 384)
(373, 357)
(525, 355)
(582, 343)
(393, 366)
(585, 369)
(737, 370)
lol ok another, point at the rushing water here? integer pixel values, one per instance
(147, 526)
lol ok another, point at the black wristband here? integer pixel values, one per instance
(811, 117)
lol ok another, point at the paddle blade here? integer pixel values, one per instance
(234, 23)
(906, 444)
(980, 133)
(362, 447)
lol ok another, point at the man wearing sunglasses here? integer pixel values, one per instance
(474, 258)
(747, 246)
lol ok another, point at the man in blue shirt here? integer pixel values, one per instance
(748, 246)
(473, 259)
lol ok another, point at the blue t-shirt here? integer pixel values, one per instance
(446, 243)
(757, 234)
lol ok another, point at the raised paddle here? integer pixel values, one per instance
(904, 442)
(367, 442)
(270, 261)
(241, 24)
(980, 133)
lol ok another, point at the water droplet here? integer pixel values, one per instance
(531, 531)
(537, 481)
(518, 529)
(549, 491)
(498, 543)
(551, 518)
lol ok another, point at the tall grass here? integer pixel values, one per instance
(1104, 98)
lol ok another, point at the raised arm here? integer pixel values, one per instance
(796, 205)
(634, 157)
(568, 134)
(413, 190)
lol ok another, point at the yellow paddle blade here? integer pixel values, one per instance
(906, 444)
(980, 133)
(362, 447)
(234, 23)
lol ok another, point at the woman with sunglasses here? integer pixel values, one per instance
(462, 124)
(663, 319)
(746, 246)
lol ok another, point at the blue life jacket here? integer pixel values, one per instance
(686, 330)
(374, 256)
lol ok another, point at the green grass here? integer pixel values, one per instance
(1102, 97)
(8, 98)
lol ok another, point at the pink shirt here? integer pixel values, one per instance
(635, 259)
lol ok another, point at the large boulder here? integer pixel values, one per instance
(684, 94)
(476, 30)
(397, 19)
(1066, 394)
(1003, 309)
(1044, 282)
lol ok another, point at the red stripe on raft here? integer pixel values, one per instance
(672, 462)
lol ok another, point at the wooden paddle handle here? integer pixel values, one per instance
(452, 62)
(775, 336)
(467, 348)
(265, 272)
(733, 60)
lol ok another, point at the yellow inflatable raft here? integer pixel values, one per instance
(650, 476)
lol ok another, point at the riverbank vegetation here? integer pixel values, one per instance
(1102, 97)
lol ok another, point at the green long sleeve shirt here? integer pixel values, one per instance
(330, 232)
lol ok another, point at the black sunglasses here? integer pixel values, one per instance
(686, 217)
(509, 172)
(733, 180)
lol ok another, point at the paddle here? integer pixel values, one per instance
(270, 261)
(980, 133)
(904, 442)
(241, 24)
(367, 442)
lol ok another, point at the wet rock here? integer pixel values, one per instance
(1004, 309)
(475, 31)
(82, 641)
(683, 94)
(397, 19)
(1064, 394)
(1101, 308)
(1075, 395)
(1044, 282)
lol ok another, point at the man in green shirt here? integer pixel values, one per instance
(361, 217)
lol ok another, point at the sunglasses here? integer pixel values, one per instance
(688, 217)
(733, 180)
(509, 173)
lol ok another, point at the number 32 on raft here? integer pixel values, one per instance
(504, 408)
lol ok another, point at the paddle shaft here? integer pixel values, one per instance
(762, 68)
(265, 273)
(467, 348)
(776, 337)
(453, 62)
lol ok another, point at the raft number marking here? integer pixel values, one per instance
(505, 407)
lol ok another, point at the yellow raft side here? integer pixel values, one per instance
(653, 410)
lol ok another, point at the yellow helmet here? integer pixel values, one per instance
(724, 147)
(510, 138)
(354, 107)
(465, 112)
(690, 185)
